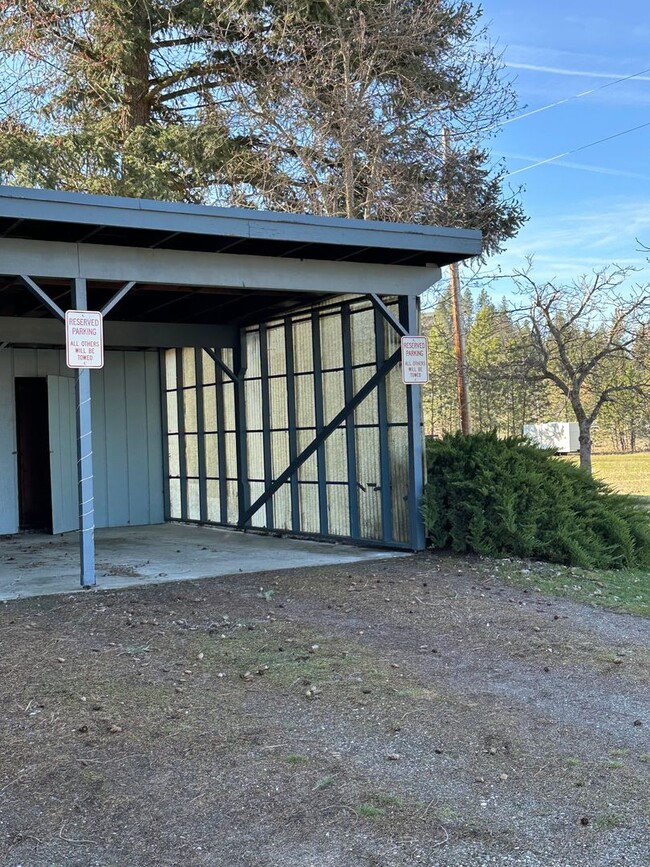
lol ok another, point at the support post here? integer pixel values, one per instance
(291, 419)
(85, 456)
(266, 420)
(243, 487)
(384, 440)
(350, 434)
(221, 446)
(409, 309)
(319, 417)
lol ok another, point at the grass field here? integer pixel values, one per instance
(629, 474)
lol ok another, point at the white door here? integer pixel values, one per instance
(63, 453)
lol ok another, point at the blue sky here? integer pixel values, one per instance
(588, 209)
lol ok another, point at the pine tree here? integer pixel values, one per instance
(111, 96)
(323, 106)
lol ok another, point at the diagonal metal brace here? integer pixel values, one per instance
(106, 309)
(213, 355)
(329, 428)
(42, 296)
(379, 305)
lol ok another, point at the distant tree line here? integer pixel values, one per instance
(549, 352)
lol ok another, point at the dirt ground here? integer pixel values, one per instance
(402, 712)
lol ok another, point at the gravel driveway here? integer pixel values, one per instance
(412, 711)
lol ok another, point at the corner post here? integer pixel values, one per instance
(85, 456)
(409, 309)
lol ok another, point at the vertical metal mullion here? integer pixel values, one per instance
(384, 444)
(408, 312)
(164, 413)
(200, 434)
(221, 445)
(319, 413)
(180, 410)
(241, 428)
(350, 436)
(291, 418)
(266, 421)
(85, 457)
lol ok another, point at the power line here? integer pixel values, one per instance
(566, 99)
(570, 98)
(576, 150)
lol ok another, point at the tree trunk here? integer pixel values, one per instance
(585, 445)
(136, 89)
(136, 68)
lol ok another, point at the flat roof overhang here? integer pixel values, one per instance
(207, 265)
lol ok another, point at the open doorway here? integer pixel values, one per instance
(33, 454)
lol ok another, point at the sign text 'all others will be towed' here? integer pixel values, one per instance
(84, 339)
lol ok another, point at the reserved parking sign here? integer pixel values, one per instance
(84, 338)
(415, 360)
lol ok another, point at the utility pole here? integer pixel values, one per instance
(458, 330)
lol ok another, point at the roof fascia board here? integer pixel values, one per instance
(55, 259)
(179, 217)
(141, 335)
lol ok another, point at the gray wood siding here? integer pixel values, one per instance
(127, 434)
(62, 403)
(8, 467)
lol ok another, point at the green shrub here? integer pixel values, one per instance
(506, 496)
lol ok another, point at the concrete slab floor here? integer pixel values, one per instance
(40, 564)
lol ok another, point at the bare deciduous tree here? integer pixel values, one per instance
(577, 336)
(348, 118)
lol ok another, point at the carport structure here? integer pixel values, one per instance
(252, 369)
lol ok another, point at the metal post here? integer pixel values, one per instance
(384, 440)
(180, 416)
(243, 487)
(408, 308)
(221, 447)
(319, 414)
(164, 418)
(350, 433)
(85, 457)
(266, 420)
(291, 419)
(200, 435)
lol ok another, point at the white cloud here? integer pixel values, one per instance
(564, 246)
(580, 73)
(546, 73)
